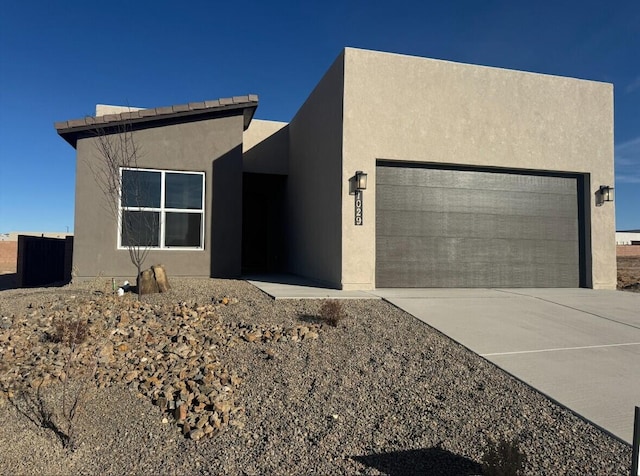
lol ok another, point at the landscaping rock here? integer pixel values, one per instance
(146, 282)
(164, 352)
(5, 322)
(406, 399)
(160, 276)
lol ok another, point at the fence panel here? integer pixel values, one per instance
(43, 260)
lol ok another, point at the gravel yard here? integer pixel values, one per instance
(381, 393)
(629, 273)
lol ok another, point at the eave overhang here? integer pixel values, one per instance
(75, 129)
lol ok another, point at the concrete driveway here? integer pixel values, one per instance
(580, 347)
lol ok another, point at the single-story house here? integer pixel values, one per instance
(397, 171)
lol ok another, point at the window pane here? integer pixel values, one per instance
(140, 188)
(183, 229)
(140, 229)
(183, 191)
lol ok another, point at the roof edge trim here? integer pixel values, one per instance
(247, 105)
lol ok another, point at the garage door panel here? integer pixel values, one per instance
(452, 228)
(480, 225)
(445, 251)
(417, 275)
(460, 179)
(466, 200)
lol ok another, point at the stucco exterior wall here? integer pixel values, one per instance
(104, 109)
(265, 147)
(315, 182)
(416, 109)
(212, 146)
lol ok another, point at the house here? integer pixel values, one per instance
(475, 177)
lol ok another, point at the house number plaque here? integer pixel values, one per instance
(358, 207)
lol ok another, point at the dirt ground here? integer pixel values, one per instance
(629, 273)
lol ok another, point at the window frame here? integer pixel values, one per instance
(162, 210)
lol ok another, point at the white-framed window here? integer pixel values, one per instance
(161, 209)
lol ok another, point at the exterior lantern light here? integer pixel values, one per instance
(606, 193)
(357, 184)
(361, 180)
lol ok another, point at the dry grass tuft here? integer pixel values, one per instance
(69, 332)
(503, 458)
(332, 312)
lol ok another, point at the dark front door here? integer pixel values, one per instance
(263, 202)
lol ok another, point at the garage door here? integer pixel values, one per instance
(461, 228)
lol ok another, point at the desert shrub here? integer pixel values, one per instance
(503, 458)
(57, 414)
(70, 332)
(332, 312)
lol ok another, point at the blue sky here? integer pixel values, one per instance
(58, 59)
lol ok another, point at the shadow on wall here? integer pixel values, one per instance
(226, 214)
(435, 461)
(276, 148)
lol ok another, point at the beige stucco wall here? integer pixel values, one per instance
(314, 185)
(212, 146)
(104, 109)
(416, 109)
(265, 147)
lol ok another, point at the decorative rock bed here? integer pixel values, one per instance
(167, 353)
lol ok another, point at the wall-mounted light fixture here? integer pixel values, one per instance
(357, 184)
(361, 180)
(606, 193)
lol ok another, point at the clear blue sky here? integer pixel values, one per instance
(58, 59)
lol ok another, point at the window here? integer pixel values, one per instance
(161, 209)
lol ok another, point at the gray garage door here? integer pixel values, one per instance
(458, 228)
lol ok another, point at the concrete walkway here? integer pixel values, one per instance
(286, 286)
(578, 346)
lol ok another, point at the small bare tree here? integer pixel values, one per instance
(125, 193)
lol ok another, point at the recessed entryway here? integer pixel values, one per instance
(263, 223)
